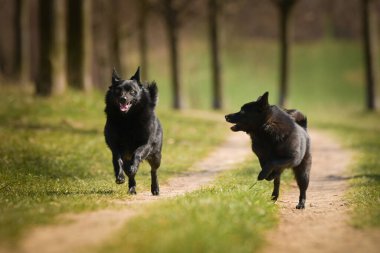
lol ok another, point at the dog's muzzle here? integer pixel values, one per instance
(228, 118)
(124, 104)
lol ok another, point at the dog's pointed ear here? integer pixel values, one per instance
(136, 76)
(263, 100)
(115, 77)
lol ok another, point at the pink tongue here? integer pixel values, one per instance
(125, 107)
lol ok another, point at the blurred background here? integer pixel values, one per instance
(202, 53)
(56, 60)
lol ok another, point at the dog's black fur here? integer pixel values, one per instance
(279, 139)
(132, 130)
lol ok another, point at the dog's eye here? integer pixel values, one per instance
(242, 111)
(117, 90)
(133, 93)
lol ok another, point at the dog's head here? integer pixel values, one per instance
(251, 115)
(125, 93)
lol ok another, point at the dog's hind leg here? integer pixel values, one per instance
(155, 162)
(131, 177)
(276, 186)
(302, 173)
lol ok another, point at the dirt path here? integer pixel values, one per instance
(323, 225)
(91, 229)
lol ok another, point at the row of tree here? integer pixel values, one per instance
(69, 49)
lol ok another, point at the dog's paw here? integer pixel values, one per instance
(120, 180)
(132, 190)
(155, 190)
(300, 206)
(274, 197)
(262, 175)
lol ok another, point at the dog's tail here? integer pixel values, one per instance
(153, 93)
(298, 117)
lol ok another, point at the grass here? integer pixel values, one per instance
(53, 158)
(227, 217)
(360, 132)
(326, 83)
(324, 73)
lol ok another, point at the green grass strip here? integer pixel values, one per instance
(227, 217)
(53, 158)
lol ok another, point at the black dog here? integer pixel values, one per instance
(279, 139)
(132, 130)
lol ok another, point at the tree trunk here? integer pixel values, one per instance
(284, 52)
(173, 47)
(104, 35)
(18, 42)
(59, 47)
(25, 30)
(143, 47)
(87, 44)
(113, 16)
(52, 74)
(44, 79)
(80, 44)
(171, 18)
(215, 59)
(370, 52)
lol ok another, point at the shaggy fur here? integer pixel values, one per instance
(132, 131)
(279, 139)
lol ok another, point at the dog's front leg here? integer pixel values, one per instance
(266, 169)
(274, 165)
(139, 155)
(118, 168)
(131, 168)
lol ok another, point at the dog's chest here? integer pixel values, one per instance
(262, 147)
(130, 136)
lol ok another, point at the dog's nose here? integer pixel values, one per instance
(123, 100)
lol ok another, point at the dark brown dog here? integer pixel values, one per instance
(280, 141)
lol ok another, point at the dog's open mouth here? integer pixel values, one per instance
(235, 128)
(124, 107)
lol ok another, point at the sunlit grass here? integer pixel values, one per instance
(227, 217)
(326, 82)
(360, 132)
(53, 158)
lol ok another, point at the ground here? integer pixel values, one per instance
(322, 227)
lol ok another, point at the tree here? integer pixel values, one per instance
(143, 13)
(285, 7)
(10, 42)
(52, 74)
(213, 12)
(115, 31)
(25, 34)
(80, 44)
(370, 52)
(171, 11)
(105, 34)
